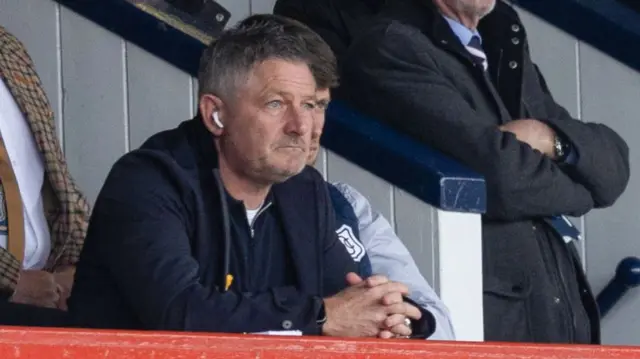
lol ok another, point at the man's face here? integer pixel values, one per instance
(323, 97)
(268, 126)
(479, 8)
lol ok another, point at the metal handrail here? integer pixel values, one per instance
(627, 277)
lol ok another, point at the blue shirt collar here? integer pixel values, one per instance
(462, 32)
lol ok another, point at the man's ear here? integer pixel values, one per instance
(212, 108)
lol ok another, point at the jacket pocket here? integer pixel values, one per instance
(506, 308)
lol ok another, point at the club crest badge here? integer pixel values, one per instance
(354, 247)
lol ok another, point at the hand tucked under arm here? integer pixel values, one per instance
(535, 133)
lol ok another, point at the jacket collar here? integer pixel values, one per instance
(464, 34)
(202, 142)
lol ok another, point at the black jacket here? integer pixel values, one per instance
(408, 69)
(153, 254)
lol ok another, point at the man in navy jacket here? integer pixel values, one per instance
(219, 226)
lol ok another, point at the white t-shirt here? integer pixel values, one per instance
(251, 214)
(28, 166)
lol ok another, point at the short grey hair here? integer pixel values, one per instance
(228, 60)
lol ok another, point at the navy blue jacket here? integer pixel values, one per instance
(153, 253)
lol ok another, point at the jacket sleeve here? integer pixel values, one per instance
(603, 156)
(391, 258)
(143, 226)
(347, 229)
(391, 75)
(9, 273)
(78, 215)
(337, 261)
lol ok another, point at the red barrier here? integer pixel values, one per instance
(39, 343)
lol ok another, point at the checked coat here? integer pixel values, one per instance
(67, 210)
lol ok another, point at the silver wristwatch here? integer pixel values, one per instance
(560, 148)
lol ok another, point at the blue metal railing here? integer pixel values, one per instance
(627, 277)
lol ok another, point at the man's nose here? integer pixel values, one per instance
(299, 122)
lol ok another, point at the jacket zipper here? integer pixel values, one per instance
(250, 246)
(253, 221)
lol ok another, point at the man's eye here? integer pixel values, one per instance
(274, 104)
(309, 105)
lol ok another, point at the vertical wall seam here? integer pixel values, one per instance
(125, 96)
(59, 77)
(583, 219)
(392, 211)
(435, 250)
(192, 99)
(325, 164)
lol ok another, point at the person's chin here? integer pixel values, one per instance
(289, 170)
(298, 168)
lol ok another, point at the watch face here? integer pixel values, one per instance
(561, 148)
(201, 19)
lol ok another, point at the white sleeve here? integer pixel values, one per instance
(391, 258)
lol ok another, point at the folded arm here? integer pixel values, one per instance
(602, 157)
(390, 74)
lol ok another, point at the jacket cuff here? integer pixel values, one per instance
(561, 132)
(573, 132)
(426, 326)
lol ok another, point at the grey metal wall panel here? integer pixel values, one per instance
(556, 53)
(35, 24)
(160, 96)
(262, 6)
(375, 189)
(610, 94)
(95, 113)
(196, 99)
(239, 9)
(416, 227)
(321, 162)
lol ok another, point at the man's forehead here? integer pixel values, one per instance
(288, 88)
(283, 77)
(323, 95)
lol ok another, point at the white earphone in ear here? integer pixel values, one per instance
(216, 119)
